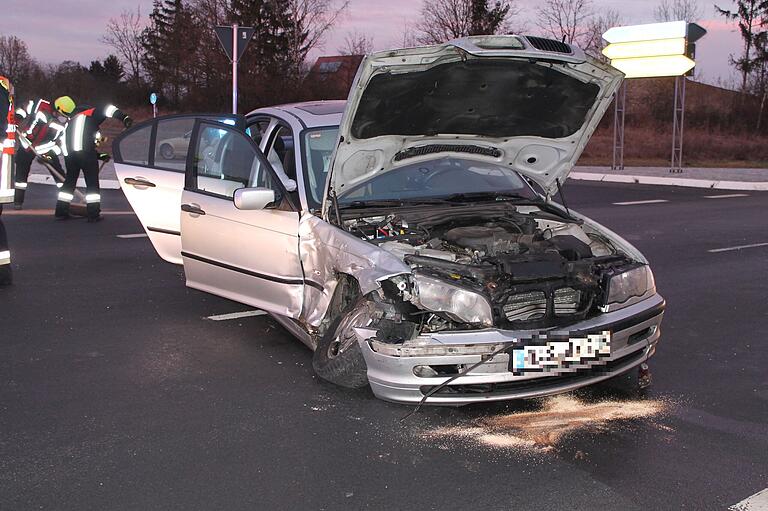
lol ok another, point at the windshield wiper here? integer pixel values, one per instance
(496, 196)
(374, 203)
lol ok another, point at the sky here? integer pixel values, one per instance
(57, 30)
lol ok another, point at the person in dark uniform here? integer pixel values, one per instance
(8, 138)
(38, 134)
(78, 145)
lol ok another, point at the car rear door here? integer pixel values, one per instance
(251, 256)
(150, 161)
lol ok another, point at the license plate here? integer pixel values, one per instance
(561, 355)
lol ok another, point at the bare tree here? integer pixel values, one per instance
(124, 35)
(15, 61)
(310, 22)
(593, 42)
(410, 37)
(752, 18)
(678, 10)
(443, 20)
(356, 43)
(566, 20)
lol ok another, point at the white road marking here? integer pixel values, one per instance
(236, 315)
(726, 196)
(740, 247)
(636, 202)
(757, 502)
(131, 236)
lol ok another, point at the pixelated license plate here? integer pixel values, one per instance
(560, 355)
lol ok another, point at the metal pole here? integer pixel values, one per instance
(234, 68)
(154, 110)
(620, 103)
(678, 122)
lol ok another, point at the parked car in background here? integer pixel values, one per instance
(409, 236)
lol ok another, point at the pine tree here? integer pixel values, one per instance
(264, 66)
(487, 20)
(170, 48)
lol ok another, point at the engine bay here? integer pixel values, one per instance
(537, 269)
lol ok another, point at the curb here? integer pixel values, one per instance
(107, 184)
(671, 181)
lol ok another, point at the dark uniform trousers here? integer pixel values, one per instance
(88, 162)
(5, 259)
(24, 159)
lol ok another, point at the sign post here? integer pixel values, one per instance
(234, 40)
(649, 51)
(153, 102)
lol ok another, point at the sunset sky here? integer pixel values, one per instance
(57, 30)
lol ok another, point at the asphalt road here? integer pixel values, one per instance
(117, 393)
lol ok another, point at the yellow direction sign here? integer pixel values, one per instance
(653, 50)
(651, 67)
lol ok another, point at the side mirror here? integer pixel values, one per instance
(254, 198)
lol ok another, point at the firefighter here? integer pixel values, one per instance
(8, 137)
(38, 136)
(78, 144)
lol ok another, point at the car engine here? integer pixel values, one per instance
(537, 270)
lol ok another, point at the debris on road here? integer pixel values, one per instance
(543, 429)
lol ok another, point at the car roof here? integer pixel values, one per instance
(312, 114)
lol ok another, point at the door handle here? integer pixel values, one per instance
(191, 208)
(138, 182)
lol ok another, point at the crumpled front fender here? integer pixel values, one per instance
(326, 252)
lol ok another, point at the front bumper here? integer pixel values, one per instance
(635, 332)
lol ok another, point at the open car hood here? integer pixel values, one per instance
(528, 103)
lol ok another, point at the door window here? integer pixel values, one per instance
(318, 149)
(225, 160)
(172, 143)
(134, 147)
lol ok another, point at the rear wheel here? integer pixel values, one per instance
(338, 357)
(166, 151)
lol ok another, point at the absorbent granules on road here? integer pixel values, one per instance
(542, 430)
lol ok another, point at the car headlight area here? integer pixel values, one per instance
(458, 303)
(626, 287)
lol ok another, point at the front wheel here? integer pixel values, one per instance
(338, 357)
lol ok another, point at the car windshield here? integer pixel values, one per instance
(440, 178)
(318, 148)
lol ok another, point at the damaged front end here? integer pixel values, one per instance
(490, 276)
(509, 267)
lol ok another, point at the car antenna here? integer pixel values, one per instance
(562, 197)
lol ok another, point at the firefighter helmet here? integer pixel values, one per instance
(64, 104)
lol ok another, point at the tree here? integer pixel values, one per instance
(15, 61)
(124, 34)
(309, 22)
(170, 47)
(356, 43)
(593, 42)
(443, 20)
(566, 20)
(752, 18)
(678, 10)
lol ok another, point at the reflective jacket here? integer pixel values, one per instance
(8, 139)
(39, 130)
(83, 127)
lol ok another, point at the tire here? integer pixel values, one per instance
(338, 357)
(167, 152)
